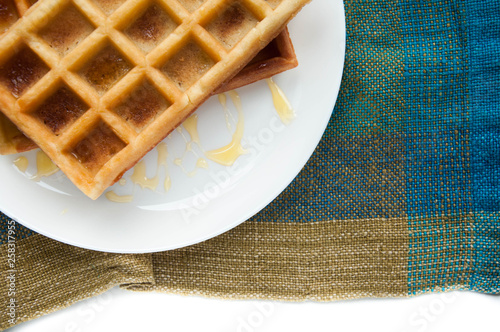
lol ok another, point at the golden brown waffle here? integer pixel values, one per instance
(277, 57)
(11, 139)
(95, 92)
(10, 11)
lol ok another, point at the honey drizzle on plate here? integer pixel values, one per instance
(162, 161)
(22, 164)
(281, 103)
(44, 166)
(114, 197)
(139, 175)
(223, 101)
(191, 126)
(228, 154)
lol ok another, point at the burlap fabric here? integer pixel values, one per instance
(401, 197)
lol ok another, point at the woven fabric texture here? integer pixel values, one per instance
(401, 197)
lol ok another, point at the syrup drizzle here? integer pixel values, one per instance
(191, 126)
(114, 197)
(139, 175)
(22, 164)
(223, 101)
(162, 161)
(44, 166)
(281, 103)
(228, 154)
(201, 163)
(179, 162)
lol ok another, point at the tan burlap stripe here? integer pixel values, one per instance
(284, 261)
(291, 261)
(50, 276)
(441, 253)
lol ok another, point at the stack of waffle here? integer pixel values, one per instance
(96, 84)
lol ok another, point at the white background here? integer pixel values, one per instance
(121, 310)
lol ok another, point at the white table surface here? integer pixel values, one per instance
(121, 310)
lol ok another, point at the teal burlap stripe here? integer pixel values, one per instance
(483, 26)
(21, 231)
(437, 144)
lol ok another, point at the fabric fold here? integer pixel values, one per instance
(48, 275)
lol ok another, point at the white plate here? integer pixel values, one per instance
(200, 206)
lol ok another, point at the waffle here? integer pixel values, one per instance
(92, 89)
(10, 11)
(277, 57)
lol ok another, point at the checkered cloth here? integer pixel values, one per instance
(401, 197)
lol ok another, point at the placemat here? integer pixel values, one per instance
(401, 197)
